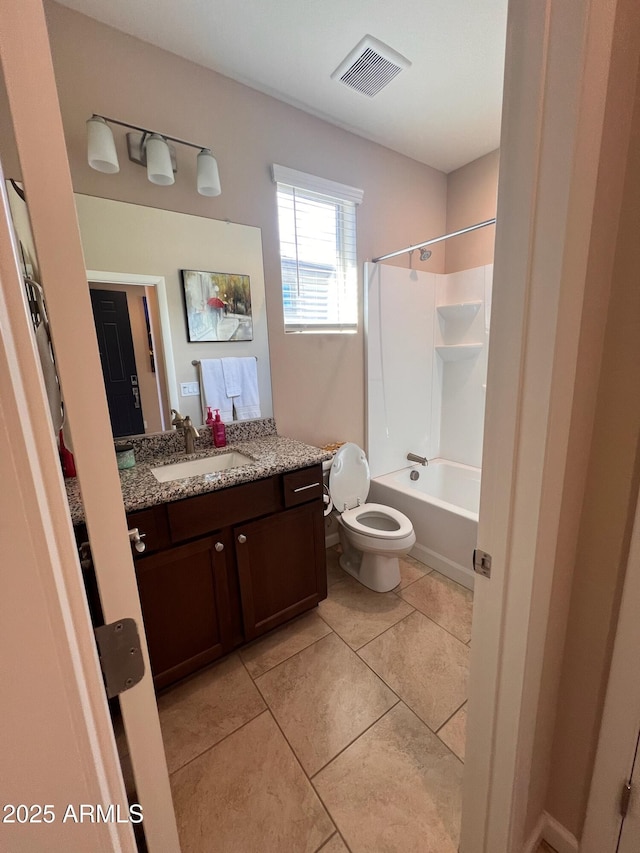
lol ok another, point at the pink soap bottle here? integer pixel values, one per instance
(219, 431)
(209, 420)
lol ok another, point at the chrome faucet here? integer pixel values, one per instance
(412, 457)
(190, 432)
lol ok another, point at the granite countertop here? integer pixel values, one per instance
(272, 454)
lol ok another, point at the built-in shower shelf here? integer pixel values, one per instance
(458, 310)
(458, 352)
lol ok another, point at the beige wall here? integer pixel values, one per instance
(472, 197)
(318, 380)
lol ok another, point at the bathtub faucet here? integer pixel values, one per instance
(412, 457)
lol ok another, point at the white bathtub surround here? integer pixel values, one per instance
(461, 338)
(442, 505)
(427, 337)
(400, 317)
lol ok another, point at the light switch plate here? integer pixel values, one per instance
(189, 389)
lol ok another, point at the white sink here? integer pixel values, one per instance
(207, 465)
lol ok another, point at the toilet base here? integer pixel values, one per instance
(375, 571)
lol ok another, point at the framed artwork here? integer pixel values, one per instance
(218, 306)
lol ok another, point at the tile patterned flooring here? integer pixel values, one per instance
(342, 731)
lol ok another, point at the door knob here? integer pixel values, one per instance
(242, 539)
(219, 546)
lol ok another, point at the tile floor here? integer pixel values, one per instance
(342, 731)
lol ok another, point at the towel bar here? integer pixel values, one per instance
(196, 361)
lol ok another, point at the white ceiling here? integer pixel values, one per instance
(444, 110)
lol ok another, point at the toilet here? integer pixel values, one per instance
(372, 536)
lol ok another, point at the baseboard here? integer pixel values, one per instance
(331, 539)
(554, 833)
(441, 564)
(536, 836)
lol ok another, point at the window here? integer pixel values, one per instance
(317, 223)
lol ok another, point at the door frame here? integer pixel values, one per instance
(555, 241)
(621, 717)
(158, 282)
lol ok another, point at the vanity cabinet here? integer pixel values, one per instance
(222, 568)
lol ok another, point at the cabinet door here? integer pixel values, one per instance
(281, 563)
(185, 606)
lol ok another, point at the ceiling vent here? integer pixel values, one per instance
(370, 66)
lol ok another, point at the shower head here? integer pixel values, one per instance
(425, 254)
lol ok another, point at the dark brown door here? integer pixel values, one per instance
(111, 316)
(185, 606)
(281, 563)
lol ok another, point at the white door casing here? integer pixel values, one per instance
(620, 726)
(45, 171)
(557, 74)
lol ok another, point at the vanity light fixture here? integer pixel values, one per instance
(149, 149)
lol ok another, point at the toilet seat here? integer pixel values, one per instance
(349, 477)
(377, 521)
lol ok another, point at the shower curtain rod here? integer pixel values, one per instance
(435, 240)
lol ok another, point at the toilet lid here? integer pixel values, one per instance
(349, 477)
(381, 522)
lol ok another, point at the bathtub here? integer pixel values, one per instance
(443, 507)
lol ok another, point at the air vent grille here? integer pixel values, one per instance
(370, 66)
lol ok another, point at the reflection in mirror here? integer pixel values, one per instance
(127, 318)
(134, 257)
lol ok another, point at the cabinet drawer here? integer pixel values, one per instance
(302, 486)
(195, 516)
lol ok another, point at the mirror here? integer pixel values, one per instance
(136, 253)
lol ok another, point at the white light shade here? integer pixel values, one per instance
(101, 149)
(159, 168)
(208, 177)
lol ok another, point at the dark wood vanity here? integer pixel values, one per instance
(222, 568)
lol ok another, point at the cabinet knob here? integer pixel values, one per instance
(219, 546)
(242, 538)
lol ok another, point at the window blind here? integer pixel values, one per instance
(318, 259)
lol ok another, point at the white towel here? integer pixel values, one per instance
(247, 403)
(212, 389)
(232, 379)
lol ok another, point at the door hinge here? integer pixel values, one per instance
(482, 563)
(120, 655)
(625, 798)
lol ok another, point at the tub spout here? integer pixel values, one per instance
(413, 457)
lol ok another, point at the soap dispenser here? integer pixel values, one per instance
(219, 431)
(209, 421)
